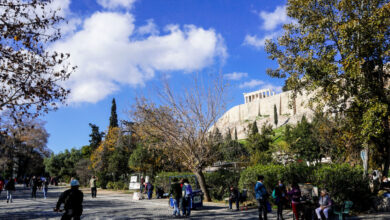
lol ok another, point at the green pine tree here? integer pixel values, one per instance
(275, 115)
(255, 129)
(96, 137)
(114, 116)
(235, 134)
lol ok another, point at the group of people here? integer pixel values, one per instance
(282, 196)
(38, 183)
(147, 187)
(181, 193)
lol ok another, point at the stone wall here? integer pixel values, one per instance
(262, 111)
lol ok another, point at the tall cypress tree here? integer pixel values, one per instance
(114, 116)
(255, 129)
(235, 134)
(275, 115)
(96, 136)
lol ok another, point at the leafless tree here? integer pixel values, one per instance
(183, 122)
(30, 74)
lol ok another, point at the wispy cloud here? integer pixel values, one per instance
(271, 23)
(272, 20)
(251, 84)
(112, 4)
(253, 40)
(235, 75)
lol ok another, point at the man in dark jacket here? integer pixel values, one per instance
(280, 198)
(234, 197)
(34, 187)
(10, 187)
(73, 202)
(175, 191)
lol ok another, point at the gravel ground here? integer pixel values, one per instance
(114, 205)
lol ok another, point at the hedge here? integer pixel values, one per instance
(342, 181)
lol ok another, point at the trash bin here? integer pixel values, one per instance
(197, 199)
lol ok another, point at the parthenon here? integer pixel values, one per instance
(256, 95)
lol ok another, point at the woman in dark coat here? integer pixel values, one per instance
(280, 198)
(10, 187)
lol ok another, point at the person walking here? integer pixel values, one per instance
(92, 184)
(176, 193)
(261, 197)
(280, 194)
(34, 187)
(10, 187)
(73, 202)
(149, 189)
(234, 197)
(45, 187)
(187, 198)
(295, 196)
(325, 205)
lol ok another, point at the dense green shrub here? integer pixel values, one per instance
(218, 183)
(110, 185)
(341, 180)
(344, 183)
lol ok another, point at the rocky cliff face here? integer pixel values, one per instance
(289, 111)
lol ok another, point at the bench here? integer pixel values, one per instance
(345, 209)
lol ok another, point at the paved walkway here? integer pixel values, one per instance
(120, 206)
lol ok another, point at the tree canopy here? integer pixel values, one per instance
(338, 50)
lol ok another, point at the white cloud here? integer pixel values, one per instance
(235, 76)
(112, 4)
(271, 20)
(149, 28)
(253, 40)
(251, 84)
(108, 56)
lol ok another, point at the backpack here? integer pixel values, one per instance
(188, 190)
(274, 194)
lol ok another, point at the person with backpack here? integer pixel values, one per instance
(10, 187)
(149, 190)
(234, 197)
(261, 197)
(279, 194)
(295, 196)
(176, 193)
(34, 187)
(187, 198)
(73, 202)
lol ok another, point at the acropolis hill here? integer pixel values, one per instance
(259, 106)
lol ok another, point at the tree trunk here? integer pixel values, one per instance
(202, 182)
(387, 148)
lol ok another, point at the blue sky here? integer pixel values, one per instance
(123, 47)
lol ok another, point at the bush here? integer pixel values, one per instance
(218, 183)
(341, 180)
(110, 185)
(344, 183)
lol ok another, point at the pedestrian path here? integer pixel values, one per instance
(114, 205)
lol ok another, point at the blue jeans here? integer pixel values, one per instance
(176, 207)
(9, 195)
(44, 192)
(150, 192)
